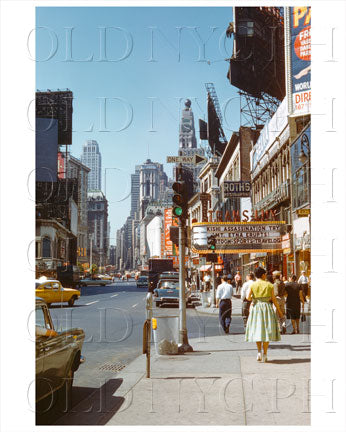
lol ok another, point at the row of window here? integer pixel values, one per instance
(272, 177)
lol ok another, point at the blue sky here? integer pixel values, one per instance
(148, 73)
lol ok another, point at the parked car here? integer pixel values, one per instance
(58, 356)
(51, 291)
(142, 282)
(96, 281)
(167, 290)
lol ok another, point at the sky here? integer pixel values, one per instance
(130, 70)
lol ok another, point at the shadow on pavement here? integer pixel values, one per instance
(96, 290)
(291, 347)
(290, 361)
(90, 406)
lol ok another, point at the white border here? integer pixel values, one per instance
(17, 211)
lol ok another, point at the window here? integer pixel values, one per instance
(46, 250)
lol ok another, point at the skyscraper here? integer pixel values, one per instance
(91, 157)
(135, 185)
(187, 136)
(187, 140)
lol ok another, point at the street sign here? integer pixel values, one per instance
(237, 237)
(303, 212)
(240, 189)
(192, 160)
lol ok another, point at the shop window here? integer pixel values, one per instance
(46, 248)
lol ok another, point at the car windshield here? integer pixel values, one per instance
(37, 284)
(143, 279)
(169, 285)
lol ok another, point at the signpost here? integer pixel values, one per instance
(237, 237)
(193, 160)
(239, 189)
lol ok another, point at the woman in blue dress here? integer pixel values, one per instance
(262, 325)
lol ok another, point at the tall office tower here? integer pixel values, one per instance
(91, 157)
(135, 192)
(152, 180)
(187, 139)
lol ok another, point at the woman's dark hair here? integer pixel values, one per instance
(294, 278)
(259, 272)
(251, 276)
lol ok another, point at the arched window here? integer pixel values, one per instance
(46, 250)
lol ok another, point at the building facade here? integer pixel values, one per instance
(91, 157)
(77, 170)
(97, 227)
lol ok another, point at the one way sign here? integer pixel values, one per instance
(192, 160)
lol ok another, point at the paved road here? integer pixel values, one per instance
(112, 318)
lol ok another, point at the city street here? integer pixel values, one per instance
(112, 318)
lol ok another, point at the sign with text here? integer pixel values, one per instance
(236, 189)
(237, 237)
(300, 61)
(193, 160)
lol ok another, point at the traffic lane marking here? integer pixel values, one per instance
(88, 304)
(134, 305)
(114, 295)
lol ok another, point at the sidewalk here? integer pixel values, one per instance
(220, 383)
(236, 308)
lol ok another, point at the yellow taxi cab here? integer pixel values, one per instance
(51, 291)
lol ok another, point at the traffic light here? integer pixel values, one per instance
(212, 242)
(179, 199)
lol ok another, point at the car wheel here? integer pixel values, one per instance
(66, 392)
(71, 301)
(49, 304)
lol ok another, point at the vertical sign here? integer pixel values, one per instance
(299, 67)
(168, 249)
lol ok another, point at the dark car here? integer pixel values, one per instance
(142, 282)
(58, 356)
(167, 290)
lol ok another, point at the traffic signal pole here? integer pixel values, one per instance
(183, 339)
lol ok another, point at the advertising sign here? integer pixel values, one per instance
(237, 189)
(168, 248)
(237, 237)
(300, 61)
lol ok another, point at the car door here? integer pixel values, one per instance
(48, 294)
(43, 383)
(57, 293)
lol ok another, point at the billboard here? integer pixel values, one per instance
(237, 237)
(299, 61)
(46, 140)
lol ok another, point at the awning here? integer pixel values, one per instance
(250, 263)
(205, 267)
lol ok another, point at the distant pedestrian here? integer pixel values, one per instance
(245, 291)
(224, 295)
(295, 296)
(206, 281)
(304, 282)
(262, 326)
(238, 282)
(218, 279)
(279, 292)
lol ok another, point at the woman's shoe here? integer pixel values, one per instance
(293, 332)
(265, 358)
(259, 357)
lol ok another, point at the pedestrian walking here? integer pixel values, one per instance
(245, 291)
(224, 295)
(262, 325)
(206, 281)
(238, 281)
(295, 296)
(304, 282)
(279, 292)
